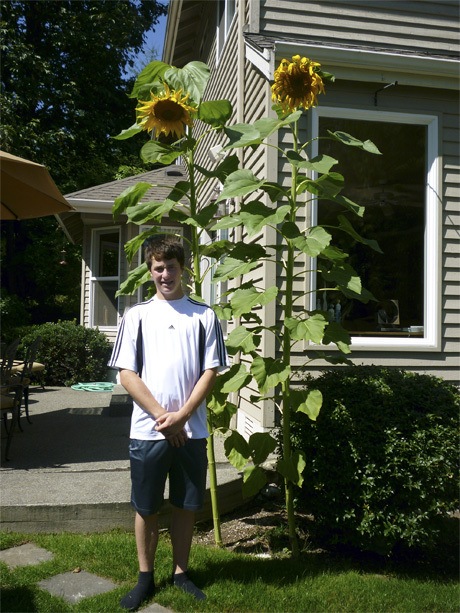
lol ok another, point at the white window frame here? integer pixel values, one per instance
(432, 240)
(93, 279)
(228, 16)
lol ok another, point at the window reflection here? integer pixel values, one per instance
(392, 188)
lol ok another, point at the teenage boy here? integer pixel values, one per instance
(168, 351)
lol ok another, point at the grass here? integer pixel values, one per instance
(233, 582)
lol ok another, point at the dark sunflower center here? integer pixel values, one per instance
(297, 84)
(168, 110)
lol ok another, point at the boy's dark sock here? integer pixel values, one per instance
(144, 590)
(182, 581)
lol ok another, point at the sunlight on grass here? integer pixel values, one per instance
(233, 582)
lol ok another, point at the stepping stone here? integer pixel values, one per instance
(73, 587)
(154, 608)
(25, 555)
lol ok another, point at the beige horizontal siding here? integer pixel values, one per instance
(414, 26)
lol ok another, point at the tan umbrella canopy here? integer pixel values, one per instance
(27, 190)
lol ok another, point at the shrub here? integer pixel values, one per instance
(70, 352)
(13, 313)
(382, 457)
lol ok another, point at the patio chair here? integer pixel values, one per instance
(10, 402)
(21, 374)
(8, 357)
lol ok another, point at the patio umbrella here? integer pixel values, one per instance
(27, 190)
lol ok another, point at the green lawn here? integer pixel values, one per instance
(233, 582)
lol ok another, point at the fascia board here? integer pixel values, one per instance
(363, 65)
(91, 206)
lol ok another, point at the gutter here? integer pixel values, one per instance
(370, 65)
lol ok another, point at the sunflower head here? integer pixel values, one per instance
(297, 84)
(166, 113)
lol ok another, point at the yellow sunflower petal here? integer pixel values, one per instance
(297, 84)
(167, 113)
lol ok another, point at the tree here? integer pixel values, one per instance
(64, 84)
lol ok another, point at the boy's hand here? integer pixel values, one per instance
(171, 425)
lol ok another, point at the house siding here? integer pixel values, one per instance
(402, 29)
(411, 27)
(425, 27)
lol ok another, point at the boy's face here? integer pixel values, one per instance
(167, 276)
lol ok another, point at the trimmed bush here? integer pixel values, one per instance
(70, 352)
(382, 457)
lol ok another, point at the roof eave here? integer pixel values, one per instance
(361, 64)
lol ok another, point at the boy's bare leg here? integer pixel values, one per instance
(146, 532)
(182, 524)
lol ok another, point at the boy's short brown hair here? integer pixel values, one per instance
(163, 248)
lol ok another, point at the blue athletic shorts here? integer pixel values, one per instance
(152, 461)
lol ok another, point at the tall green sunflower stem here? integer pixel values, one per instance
(286, 387)
(196, 270)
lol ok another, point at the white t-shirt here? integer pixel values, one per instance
(169, 343)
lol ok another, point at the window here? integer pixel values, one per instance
(225, 14)
(105, 263)
(401, 194)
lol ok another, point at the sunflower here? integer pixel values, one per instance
(167, 113)
(297, 83)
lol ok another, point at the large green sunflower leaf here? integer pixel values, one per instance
(346, 226)
(310, 329)
(244, 300)
(155, 152)
(242, 135)
(248, 251)
(216, 250)
(268, 373)
(326, 186)
(148, 211)
(311, 404)
(236, 378)
(339, 336)
(242, 338)
(203, 217)
(124, 134)
(191, 79)
(215, 112)
(317, 240)
(255, 215)
(240, 183)
(351, 141)
(345, 277)
(320, 163)
(237, 450)
(136, 278)
(357, 209)
(232, 268)
(226, 167)
(254, 479)
(261, 445)
(130, 197)
(292, 467)
(151, 73)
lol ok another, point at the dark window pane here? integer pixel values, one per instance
(105, 303)
(108, 255)
(392, 188)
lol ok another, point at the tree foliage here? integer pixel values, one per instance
(64, 88)
(65, 70)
